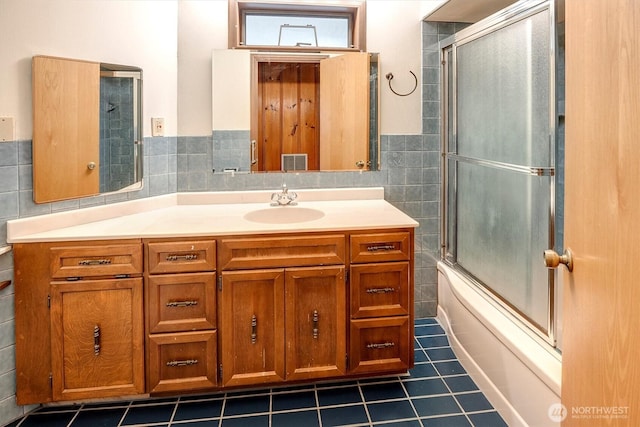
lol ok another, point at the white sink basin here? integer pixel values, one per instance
(283, 215)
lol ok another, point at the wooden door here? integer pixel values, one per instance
(315, 322)
(601, 369)
(252, 327)
(289, 114)
(66, 114)
(97, 343)
(344, 113)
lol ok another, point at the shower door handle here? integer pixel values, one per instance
(553, 260)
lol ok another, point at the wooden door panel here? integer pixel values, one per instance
(309, 115)
(315, 322)
(66, 113)
(344, 131)
(600, 340)
(289, 113)
(270, 122)
(97, 338)
(290, 108)
(252, 327)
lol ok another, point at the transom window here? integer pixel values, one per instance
(298, 26)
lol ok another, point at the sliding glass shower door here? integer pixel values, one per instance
(500, 121)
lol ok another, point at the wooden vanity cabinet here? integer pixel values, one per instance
(180, 301)
(79, 320)
(381, 298)
(115, 318)
(282, 324)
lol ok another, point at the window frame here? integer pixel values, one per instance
(355, 9)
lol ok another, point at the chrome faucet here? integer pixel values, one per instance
(284, 197)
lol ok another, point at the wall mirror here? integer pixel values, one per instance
(304, 112)
(87, 133)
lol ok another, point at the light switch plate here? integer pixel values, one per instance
(157, 126)
(6, 129)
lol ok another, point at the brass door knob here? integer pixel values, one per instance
(360, 164)
(553, 260)
(91, 165)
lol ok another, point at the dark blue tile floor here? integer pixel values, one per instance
(436, 393)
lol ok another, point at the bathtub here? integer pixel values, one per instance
(517, 371)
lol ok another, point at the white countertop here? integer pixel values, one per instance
(211, 214)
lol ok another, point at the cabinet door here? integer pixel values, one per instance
(344, 88)
(66, 119)
(97, 338)
(252, 327)
(315, 322)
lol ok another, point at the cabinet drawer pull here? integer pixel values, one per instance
(186, 257)
(378, 346)
(181, 303)
(254, 329)
(96, 340)
(94, 262)
(176, 363)
(315, 324)
(380, 290)
(385, 247)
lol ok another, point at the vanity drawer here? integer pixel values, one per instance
(185, 361)
(280, 252)
(181, 302)
(96, 260)
(379, 247)
(378, 345)
(380, 289)
(181, 257)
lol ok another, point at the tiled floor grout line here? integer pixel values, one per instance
(270, 415)
(73, 418)
(364, 403)
(173, 413)
(413, 407)
(222, 408)
(318, 414)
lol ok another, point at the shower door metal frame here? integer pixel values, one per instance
(448, 46)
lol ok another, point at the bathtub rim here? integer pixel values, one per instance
(547, 363)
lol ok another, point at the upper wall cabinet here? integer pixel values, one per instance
(87, 137)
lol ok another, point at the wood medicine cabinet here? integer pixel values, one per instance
(76, 150)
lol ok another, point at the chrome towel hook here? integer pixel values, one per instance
(389, 77)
